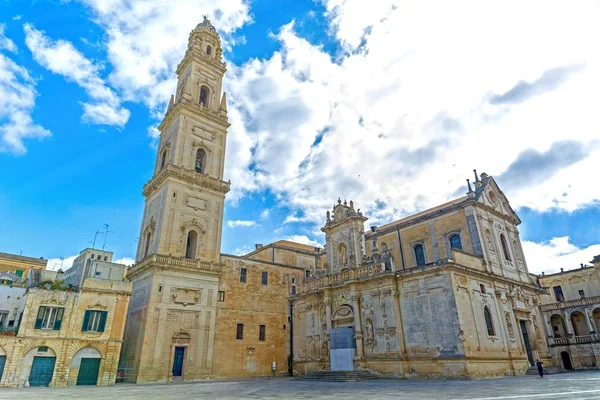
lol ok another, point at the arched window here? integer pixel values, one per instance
(488, 321)
(505, 247)
(208, 50)
(204, 96)
(200, 164)
(419, 255)
(455, 242)
(147, 246)
(191, 244)
(163, 160)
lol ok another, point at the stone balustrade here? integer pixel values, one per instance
(363, 272)
(593, 338)
(180, 262)
(187, 175)
(561, 305)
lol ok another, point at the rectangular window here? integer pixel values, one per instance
(239, 332)
(293, 289)
(262, 332)
(221, 296)
(265, 278)
(3, 318)
(49, 318)
(94, 321)
(160, 288)
(558, 293)
(92, 256)
(306, 274)
(582, 294)
(293, 280)
(105, 258)
(19, 273)
(243, 273)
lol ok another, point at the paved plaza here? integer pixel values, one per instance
(574, 385)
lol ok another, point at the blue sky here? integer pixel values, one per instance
(383, 102)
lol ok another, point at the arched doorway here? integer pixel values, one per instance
(342, 346)
(38, 367)
(566, 360)
(2, 361)
(85, 366)
(596, 317)
(579, 324)
(559, 329)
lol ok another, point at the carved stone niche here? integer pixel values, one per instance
(186, 296)
(181, 338)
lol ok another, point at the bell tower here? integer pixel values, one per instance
(172, 315)
(183, 215)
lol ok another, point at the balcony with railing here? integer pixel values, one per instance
(353, 274)
(561, 305)
(163, 261)
(574, 340)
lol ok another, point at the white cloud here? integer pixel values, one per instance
(54, 264)
(6, 43)
(264, 214)
(17, 17)
(551, 256)
(17, 102)
(125, 261)
(408, 108)
(303, 239)
(243, 250)
(293, 218)
(147, 39)
(62, 58)
(236, 223)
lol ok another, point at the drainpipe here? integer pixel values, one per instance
(401, 250)
(291, 356)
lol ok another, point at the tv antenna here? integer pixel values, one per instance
(94, 241)
(106, 232)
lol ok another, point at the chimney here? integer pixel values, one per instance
(258, 246)
(562, 270)
(582, 266)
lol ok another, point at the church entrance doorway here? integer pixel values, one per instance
(342, 346)
(566, 360)
(178, 361)
(523, 325)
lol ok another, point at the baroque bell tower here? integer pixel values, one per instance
(183, 215)
(172, 314)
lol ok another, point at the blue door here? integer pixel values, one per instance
(2, 362)
(178, 361)
(41, 371)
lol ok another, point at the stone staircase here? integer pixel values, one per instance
(339, 376)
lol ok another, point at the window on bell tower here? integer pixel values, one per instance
(200, 164)
(208, 50)
(163, 160)
(192, 242)
(204, 96)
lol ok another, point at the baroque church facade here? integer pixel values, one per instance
(444, 292)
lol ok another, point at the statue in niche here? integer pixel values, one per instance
(343, 254)
(370, 335)
(386, 257)
(511, 332)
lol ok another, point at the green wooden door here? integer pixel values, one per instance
(2, 362)
(88, 371)
(41, 371)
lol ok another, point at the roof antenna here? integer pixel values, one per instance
(94, 242)
(105, 235)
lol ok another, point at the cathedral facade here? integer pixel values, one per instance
(445, 292)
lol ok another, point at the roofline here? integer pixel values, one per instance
(263, 262)
(586, 267)
(278, 246)
(31, 260)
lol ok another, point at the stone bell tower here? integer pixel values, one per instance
(344, 235)
(171, 317)
(183, 216)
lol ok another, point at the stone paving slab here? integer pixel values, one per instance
(575, 385)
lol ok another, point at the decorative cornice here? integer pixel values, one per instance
(155, 261)
(561, 305)
(187, 175)
(219, 117)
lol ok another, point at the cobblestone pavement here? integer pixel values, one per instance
(574, 385)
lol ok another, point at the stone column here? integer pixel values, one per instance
(588, 319)
(569, 324)
(399, 330)
(358, 335)
(328, 302)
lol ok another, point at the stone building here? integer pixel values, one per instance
(93, 263)
(20, 265)
(442, 293)
(67, 337)
(571, 312)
